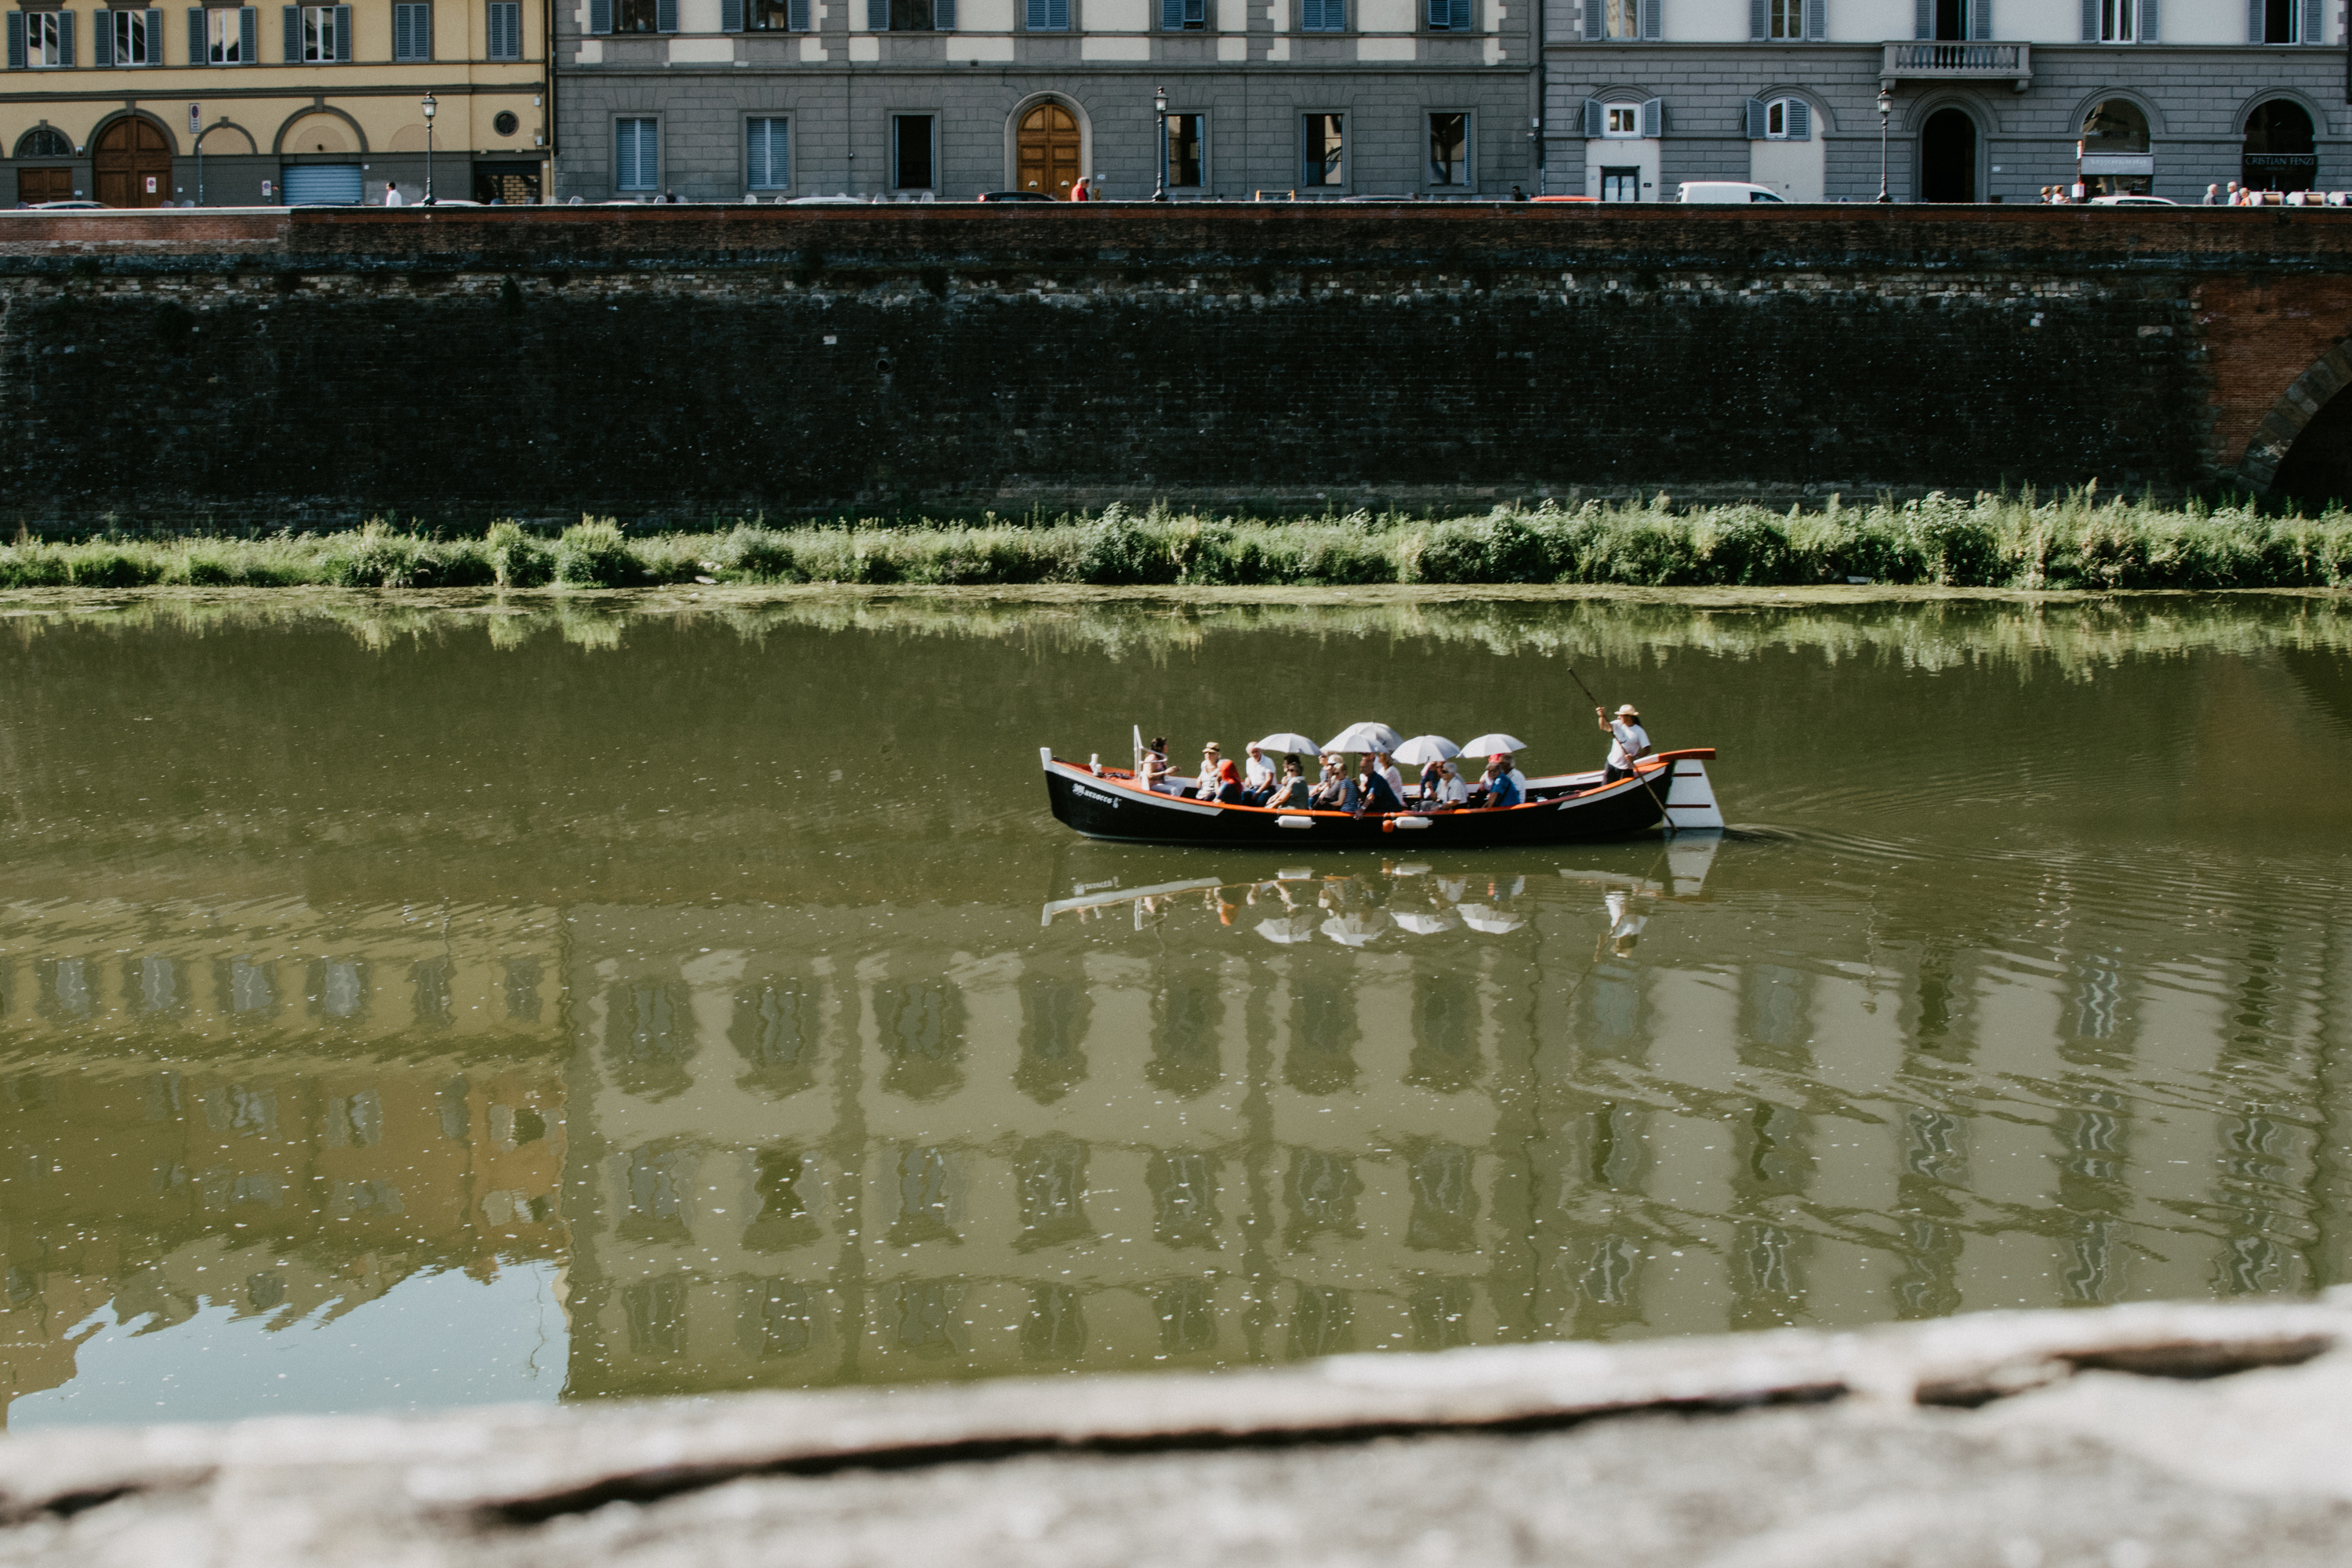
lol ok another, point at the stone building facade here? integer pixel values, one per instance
(1987, 98)
(1616, 99)
(226, 105)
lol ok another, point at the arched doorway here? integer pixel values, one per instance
(2115, 157)
(2279, 153)
(1947, 157)
(1046, 150)
(133, 165)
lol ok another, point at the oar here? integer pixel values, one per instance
(1655, 798)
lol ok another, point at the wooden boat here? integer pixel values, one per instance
(1671, 786)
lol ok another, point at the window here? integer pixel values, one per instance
(318, 33)
(1781, 119)
(503, 31)
(225, 36)
(911, 152)
(129, 37)
(1449, 148)
(1322, 16)
(1449, 16)
(1784, 19)
(1184, 15)
(637, 16)
(2286, 22)
(45, 141)
(1049, 15)
(1622, 120)
(767, 148)
(1622, 19)
(1188, 139)
(1325, 150)
(2115, 21)
(910, 15)
(778, 16)
(637, 163)
(412, 32)
(40, 39)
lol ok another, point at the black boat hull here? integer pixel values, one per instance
(1114, 810)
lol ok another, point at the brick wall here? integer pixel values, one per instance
(673, 364)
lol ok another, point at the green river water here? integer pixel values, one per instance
(411, 1007)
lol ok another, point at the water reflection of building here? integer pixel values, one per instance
(218, 1110)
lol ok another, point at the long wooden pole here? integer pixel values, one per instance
(1659, 800)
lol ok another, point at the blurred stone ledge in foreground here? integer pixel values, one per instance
(2125, 1437)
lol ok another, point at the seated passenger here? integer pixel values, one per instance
(1228, 789)
(1390, 771)
(1500, 791)
(1204, 787)
(1369, 791)
(1257, 776)
(1153, 772)
(1333, 787)
(1292, 793)
(1442, 787)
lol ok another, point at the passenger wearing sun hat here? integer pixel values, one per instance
(1627, 742)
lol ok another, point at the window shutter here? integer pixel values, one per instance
(101, 39)
(878, 15)
(424, 32)
(1980, 18)
(1593, 120)
(2149, 30)
(1758, 24)
(1036, 20)
(199, 44)
(2314, 23)
(796, 15)
(1596, 20)
(1334, 16)
(665, 16)
(343, 33)
(731, 15)
(1653, 25)
(1311, 15)
(1799, 121)
(1923, 18)
(1654, 118)
(1438, 13)
(943, 16)
(293, 35)
(16, 40)
(1817, 20)
(2090, 21)
(248, 34)
(401, 48)
(1754, 110)
(155, 39)
(2254, 22)
(65, 37)
(1459, 21)
(1058, 16)
(1171, 16)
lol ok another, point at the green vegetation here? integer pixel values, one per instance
(1991, 541)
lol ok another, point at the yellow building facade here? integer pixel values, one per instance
(241, 105)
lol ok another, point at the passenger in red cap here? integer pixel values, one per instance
(1500, 787)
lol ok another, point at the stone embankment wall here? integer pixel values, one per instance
(186, 370)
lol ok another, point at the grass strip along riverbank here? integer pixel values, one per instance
(2074, 541)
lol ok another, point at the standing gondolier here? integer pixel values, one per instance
(1627, 742)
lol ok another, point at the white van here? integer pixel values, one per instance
(1726, 191)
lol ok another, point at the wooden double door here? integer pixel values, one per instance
(133, 165)
(51, 184)
(1048, 146)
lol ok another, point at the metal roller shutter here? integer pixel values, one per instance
(322, 184)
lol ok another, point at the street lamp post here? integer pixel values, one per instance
(1886, 108)
(429, 108)
(1160, 108)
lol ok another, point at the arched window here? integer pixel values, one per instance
(45, 141)
(1788, 120)
(2116, 158)
(2279, 153)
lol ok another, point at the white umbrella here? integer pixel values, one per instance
(1296, 928)
(1487, 745)
(1287, 740)
(1423, 749)
(1357, 929)
(1483, 917)
(1366, 737)
(1422, 923)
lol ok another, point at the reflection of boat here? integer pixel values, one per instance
(1110, 804)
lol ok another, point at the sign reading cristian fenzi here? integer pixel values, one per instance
(195, 118)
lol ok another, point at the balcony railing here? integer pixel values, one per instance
(2012, 63)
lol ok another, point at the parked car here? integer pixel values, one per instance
(68, 206)
(1733, 191)
(1013, 196)
(2132, 202)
